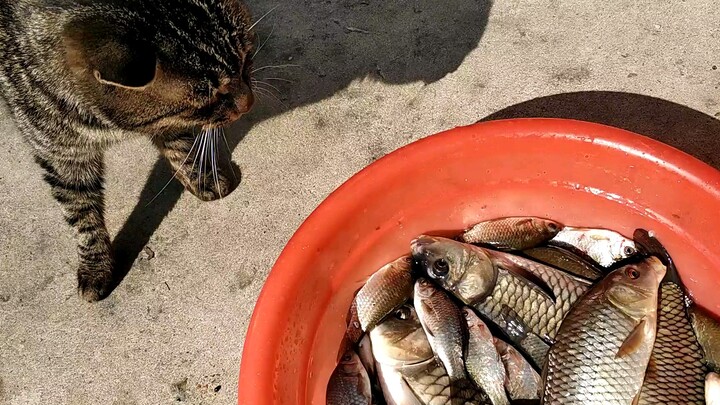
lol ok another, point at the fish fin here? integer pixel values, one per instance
(354, 331)
(578, 252)
(498, 246)
(534, 281)
(635, 339)
(537, 283)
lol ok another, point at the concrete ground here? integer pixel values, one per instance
(373, 76)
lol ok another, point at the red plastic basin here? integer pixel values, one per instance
(575, 172)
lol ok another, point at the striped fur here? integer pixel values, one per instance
(80, 75)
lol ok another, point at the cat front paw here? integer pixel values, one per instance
(95, 282)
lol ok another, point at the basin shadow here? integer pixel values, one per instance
(329, 45)
(682, 127)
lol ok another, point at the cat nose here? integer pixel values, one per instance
(242, 105)
(245, 101)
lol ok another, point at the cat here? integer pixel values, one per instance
(81, 75)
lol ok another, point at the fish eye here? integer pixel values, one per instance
(632, 273)
(346, 357)
(629, 250)
(440, 268)
(552, 226)
(403, 314)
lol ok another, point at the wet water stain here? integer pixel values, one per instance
(375, 152)
(321, 123)
(572, 75)
(242, 280)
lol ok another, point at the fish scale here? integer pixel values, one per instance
(582, 367)
(512, 233)
(676, 374)
(432, 387)
(538, 312)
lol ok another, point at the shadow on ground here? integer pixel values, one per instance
(332, 43)
(677, 125)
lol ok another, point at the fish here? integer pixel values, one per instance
(566, 260)
(522, 382)
(482, 360)
(647, 244)
(515, 329)
(444, 326)
(604, 246)
(385, 291)
(707, 331)
(503, 288)
(366, 357)
(349, 383)
(603, 346)
(512, 233)
(407, 369)
(676, 373)
(712, 389)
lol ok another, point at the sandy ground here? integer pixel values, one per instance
(373, 76)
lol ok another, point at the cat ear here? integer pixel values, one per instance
(113, 55)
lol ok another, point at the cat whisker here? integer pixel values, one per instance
(197, 159)
(264, 42)
(232, 169)
(176, 172)
(280, 79)
(213, 157)
(274, 67)
(261, 90)
(261, 18)
(203, 161)
(256, 82)
(263, 98)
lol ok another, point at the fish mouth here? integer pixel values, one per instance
(419, 244)
(419, 248)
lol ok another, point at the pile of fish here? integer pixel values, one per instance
(525, 310)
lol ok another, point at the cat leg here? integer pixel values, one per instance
(195, 159)
(77, 184)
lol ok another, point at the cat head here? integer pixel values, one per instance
(150, 66)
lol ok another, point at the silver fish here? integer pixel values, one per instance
(603, 246)
(604, 344)
(408, 371)
(444, 326)
(526, 299)
(566, 260)
(384, 292)
(513, 233)
(521, 379)
(707, 330)
(483, 361)
(349, 384)
(712, 389)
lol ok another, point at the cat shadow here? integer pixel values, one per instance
(679, 126)
(315, 49)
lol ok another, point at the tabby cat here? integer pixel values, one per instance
(80, 75)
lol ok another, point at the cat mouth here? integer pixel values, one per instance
(223, 122)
